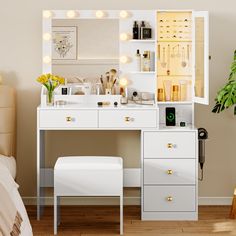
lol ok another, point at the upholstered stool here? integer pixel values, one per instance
(88, 176)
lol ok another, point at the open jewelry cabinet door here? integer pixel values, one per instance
(201, 57)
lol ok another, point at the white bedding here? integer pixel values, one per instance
(9, 184)
(10, 163)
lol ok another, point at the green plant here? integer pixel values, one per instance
(226, 96)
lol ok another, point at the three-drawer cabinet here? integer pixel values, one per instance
(169, 175)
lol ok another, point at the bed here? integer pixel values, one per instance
(14, 220)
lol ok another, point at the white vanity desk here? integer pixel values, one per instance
(168, 173)
(178, 43)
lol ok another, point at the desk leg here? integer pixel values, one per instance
(40, 164)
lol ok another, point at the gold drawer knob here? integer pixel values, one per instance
(169, 199)
(128, 119)
(69, 119)
(169, 172)
(171, 145)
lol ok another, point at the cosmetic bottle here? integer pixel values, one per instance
(183, 90)
(167, 89)
(146, 62)
(135, 30)
(147, 33)
(138, 60)
(142, 27)
(160, 95)
(175, 93)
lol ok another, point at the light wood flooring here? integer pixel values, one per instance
(104, 220)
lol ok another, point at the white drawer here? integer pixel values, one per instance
(68, 119)
(169, 198)
(169, 144)
(169, 171)
(128, 119)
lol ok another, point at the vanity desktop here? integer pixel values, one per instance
(173, 78)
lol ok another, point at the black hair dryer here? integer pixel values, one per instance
(202, 137)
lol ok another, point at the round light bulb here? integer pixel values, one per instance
(47, 14)
(124, 59)
(124, 36)
(71, 14)
(124, 14)
(123, 82)
(47, 36)
(47, 59)
(100, 14)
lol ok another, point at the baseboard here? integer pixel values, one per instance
(218, 201)
(86, 201)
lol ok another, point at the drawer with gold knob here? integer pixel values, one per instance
(169, 171)
(170, 144)
(169, 198)
(128, 118)
(68, 118)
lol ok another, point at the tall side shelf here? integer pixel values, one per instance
(170, 154)
(138, 80)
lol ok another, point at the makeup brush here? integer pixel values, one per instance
(113, 83)
(101, 79)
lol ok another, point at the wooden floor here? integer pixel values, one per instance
(104, 220)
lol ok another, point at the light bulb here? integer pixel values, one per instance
(47, 59)
(71, 14)
(47, 36)
(123, 82)
(47, 14)
(124, 14)
(100, 14)
(124, 59)
(124, 36)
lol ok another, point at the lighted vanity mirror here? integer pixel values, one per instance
(84, 48)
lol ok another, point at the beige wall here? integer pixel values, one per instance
(20, 64)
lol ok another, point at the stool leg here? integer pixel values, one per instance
(58, 210)
(55, 215)
(121, 214)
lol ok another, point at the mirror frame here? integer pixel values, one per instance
(49, 15)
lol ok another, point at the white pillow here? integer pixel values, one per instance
(10, 163)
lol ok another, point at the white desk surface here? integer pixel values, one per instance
(89, 106)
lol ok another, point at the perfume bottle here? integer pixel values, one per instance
(138, 60)
(135, 30)
(146, 62)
